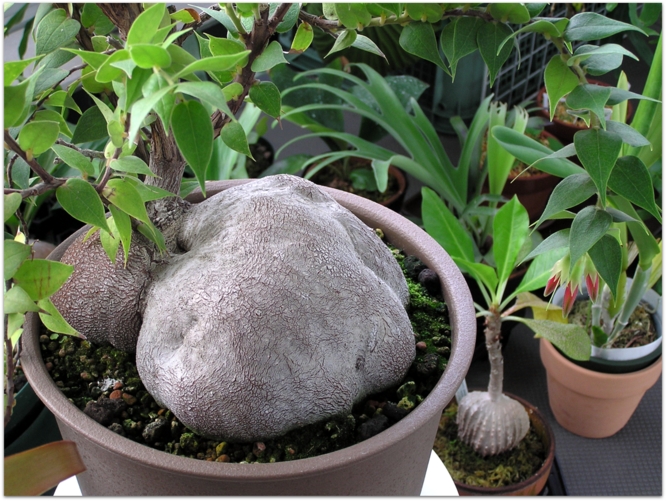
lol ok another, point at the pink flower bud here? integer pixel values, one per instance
(552, 284)
(592, 283)
(569, 299)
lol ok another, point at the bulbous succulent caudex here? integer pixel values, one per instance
(280, 308)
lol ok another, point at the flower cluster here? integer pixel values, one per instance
(571, 278)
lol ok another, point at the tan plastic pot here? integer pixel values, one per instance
(593, 404)
(393, 462)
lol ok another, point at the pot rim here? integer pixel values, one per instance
(540, 473)
(400, 231)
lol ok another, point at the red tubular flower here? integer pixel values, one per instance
(553, 283)
(592, 283)
(569, 299)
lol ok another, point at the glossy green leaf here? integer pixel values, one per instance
(93, 17)
(15, 103)
(570, 338)
(81, 201)
(345, 39)
(647, 245)
(55, 30)
(631, 179)
(116, 131)
(40, 277)
(224, 46)
(149, 56)
(558, 240)
(54, 321)
(91, 127)
(74, 159)
(587, 228)
(510, 228)
(598, 151)
(13, 69)
(146, 25)
(546, 28)
(270, 57)
(266, 96)
(234, 137)
(424, 12)
(94, 59)
(215, 63)
(142, 107)
(444, 227)
(221, 17)
(14, 255)
(352, 15)
(11, 204)
(458, 39)
(49, 79)
(208, 92)
(122, 194)
(123, 225)
(419, 39)
(127, 65)
(489, 37)
(290, 18)
(569, 192)
(366, 44)
(153, 234)
(606, 255)
(479, 271)
(164, 106)
(193, 132)
(540, 270)
(509, 12)
(131, 164)
(148, 192)
(53, 116)
(628, 134)
(183, 16)
(18, 301)
(62, 99)
(110, 241)
(590, 97)
(37, 137)
(589, 26)
(107, 72)
(559, 81)
(619, 95)
(302, 39)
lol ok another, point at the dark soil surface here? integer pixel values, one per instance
(468, 467)
(328, 177)
(103, 382)
(263, 154)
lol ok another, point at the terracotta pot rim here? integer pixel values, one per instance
(574, 373)
(463, 325)
(508, 490)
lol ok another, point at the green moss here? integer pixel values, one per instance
(468, 467)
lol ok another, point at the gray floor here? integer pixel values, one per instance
(626, 464)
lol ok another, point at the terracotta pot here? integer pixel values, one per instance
(533, 485)
(395, 201)
(593, 404)
(565, 131)
(393, 462)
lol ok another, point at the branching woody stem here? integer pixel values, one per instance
(86, 153)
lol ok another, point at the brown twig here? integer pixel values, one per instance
(10, 166)
(36, 168)
(84, 152)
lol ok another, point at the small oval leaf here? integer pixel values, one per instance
(81, 201)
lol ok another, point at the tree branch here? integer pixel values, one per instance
(37, 169)
(87, 153)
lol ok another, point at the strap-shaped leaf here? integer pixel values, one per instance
(606, 255)
(631, 179)
(82, 202)
(443, 226)
(569, 192)
(510, 228)
(587, 228)
(647, 245)
(598, 150)
(193, 132)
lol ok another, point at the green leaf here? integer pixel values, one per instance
(489, 37)
(302, 39)
(344, 40)
(37, 137)
(599, 336)
(146, 192)
(40, 277)
(193, 132)
(619, 95)
(107, 72)
(366, 44)
(150, 56)
(645, 241)
(54, 321)
(590, 97)
(570, 338)
(94, 59)
(589, 26)
(55, 30)
(122, 194)
(18, 301)
(510, 228)
(53, 116)
(234, 137)
(116, 131)
(289, 19)
(91, 127)
(224, 46)
(15, 68)
(123, 224)
(628, 134)
(352, 15)
(542, 26)
(631, 179)
(419, 39)
(208, 92)
(131, 164)
(431, 13)
(557, 240)
(81, 201)
(146, 25)
(606, 255)
(458, 39)
(444, 227)
(559, 80)
(266, 96)
(74, 159)
(479, 271)
(110, 242)
(142, 107)
(15, 103)
(587, 228)
(62, 99)
(164, 106)
(270, 57)
(569, 192)
(509, 12)
(93, 17)
(222, 18)
(14, 255)
(182, 16)
(11, 204)
(598, 151)
(540, 270)
(153, 234)
(215, 63)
